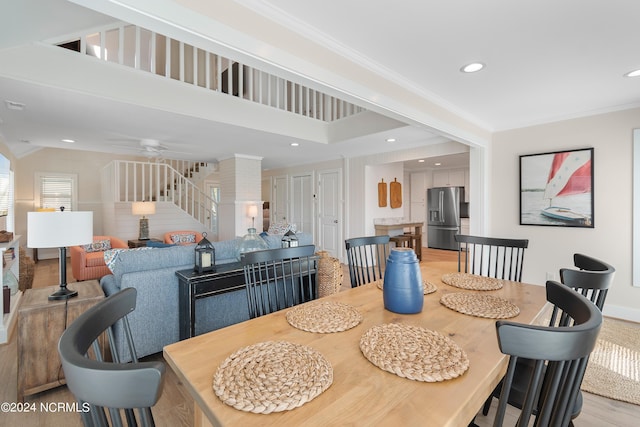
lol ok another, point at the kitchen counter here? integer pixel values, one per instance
(386, 228)
(394, 228)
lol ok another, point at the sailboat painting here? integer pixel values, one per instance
(557, 188)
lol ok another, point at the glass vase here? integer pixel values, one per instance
(251, 242)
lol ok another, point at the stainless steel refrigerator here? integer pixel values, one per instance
(443, 216)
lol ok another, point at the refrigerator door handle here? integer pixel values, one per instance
(441, 205)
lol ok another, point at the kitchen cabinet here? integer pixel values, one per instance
(464, 225)
(418, 212)
(418, 187)
(449, 178)
(452, 178)
(10, 265)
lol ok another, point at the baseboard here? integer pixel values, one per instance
(619, 312)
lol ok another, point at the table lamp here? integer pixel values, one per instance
(59, 230)
(143, 208)
(253, 212)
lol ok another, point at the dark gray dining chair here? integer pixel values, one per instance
(366, 257)
(99, 385)
(592, 279)
(491, 256)
(279, 278)
(558, 356)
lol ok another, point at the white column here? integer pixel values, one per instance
(240, 187)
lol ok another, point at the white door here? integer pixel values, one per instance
(302, 206)
(330, 212)
(279, 199)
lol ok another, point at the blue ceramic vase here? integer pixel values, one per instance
(403, 291)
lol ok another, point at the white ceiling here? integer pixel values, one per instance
(546, 61)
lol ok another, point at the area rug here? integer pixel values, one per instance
(614, 366)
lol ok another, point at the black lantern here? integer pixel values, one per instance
(289, 240)
(205, 256)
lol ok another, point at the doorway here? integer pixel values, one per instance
(329, 202)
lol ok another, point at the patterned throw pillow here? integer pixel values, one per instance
(111, 255)
(183, 238)
(279, 227)
(98, 246)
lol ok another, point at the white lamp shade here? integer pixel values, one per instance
(143, 208)
(253, 211)
(59, 229)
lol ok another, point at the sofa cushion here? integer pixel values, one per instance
(94, 259)
(98, 246)
(183, 238)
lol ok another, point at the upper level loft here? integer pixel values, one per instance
(145, 50)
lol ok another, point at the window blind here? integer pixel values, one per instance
(6, 186)
(56, 192)
(5, 193)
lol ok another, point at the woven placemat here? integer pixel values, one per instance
(324, 317)
(272, 376)
(427, 287)
(480, 305)
(413, 352)
(472, 281)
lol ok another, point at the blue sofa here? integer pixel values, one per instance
(154, 322)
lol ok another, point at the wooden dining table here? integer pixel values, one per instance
(361, 393)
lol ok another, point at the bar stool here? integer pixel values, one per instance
(415, 242)
(401, 241)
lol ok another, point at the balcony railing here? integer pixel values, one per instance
(145, 50)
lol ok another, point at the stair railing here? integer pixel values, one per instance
(146, 181)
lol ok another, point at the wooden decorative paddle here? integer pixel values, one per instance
(382, 194)
(395, 194)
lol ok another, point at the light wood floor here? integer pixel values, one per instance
(175, 406)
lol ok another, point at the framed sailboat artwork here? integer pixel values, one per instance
(556, 188)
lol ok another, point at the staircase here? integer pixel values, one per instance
(195, 172)
(131, 181)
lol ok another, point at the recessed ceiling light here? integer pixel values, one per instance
(70, 141)
(472, 68)
(294, 144)
(391, 140)
(634, 73)
(421, 161)
(438, 164)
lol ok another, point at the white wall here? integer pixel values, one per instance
(372, 176)
(89, 168)
(551, 248)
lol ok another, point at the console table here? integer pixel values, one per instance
(193, 286)
(40, 324)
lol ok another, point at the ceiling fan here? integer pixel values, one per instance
(151, 148)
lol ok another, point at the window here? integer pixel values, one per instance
(56, 191)
(6, 186)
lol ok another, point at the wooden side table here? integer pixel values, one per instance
(40, 324)
(141, 243)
